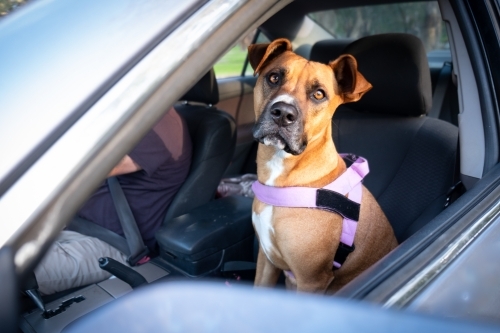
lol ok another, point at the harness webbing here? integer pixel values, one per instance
(342, 196)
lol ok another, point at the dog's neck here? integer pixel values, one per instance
(318, 165)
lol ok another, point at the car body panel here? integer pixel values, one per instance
(210, 307)
(459, 291)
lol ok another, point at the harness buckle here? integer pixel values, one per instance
(341, 255)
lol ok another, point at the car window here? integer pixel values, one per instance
(7, 6)
(422, 19)
(233, 63)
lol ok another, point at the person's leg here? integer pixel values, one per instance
(72, 261)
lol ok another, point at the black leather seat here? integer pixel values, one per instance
(412, 157)
(213, 135)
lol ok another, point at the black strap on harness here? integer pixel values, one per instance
(132, 234)
(342, 252)
(340, 204)
(337, 203)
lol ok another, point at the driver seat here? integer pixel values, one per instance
(213, 137)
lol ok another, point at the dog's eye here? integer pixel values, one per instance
(273, 78)
(319, 94)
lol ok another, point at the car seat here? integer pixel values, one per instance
(213, 135)
(412, 157)
(327, 50)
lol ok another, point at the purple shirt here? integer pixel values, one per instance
(164, 155)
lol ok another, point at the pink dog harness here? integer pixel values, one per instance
(332, 197)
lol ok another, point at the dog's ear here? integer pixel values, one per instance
(260, 54)
(351, 84)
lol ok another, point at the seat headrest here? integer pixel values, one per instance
(327, 50)
(204, 91)
(396, 65)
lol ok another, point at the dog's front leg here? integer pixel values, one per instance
(314, 284)
(267, 274)
(312, 276)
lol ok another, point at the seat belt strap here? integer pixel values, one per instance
(132, 234)
(86, 227)
(442, 84)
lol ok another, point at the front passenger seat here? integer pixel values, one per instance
(213, 136)
(412, 157)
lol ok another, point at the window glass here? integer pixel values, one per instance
(7, 6)
(421, 19)
(231, 64)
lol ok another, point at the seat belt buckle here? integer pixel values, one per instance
(139, 258)
(144, 260)
(454, 193)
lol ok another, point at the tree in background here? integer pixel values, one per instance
(421, 19)
(6, 6)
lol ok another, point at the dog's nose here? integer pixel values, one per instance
(283, 114)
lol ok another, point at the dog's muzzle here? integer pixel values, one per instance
(281, 125)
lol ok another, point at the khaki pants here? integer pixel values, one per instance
(72, 261)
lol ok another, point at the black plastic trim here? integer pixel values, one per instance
(8, 291)
(254, 40)
(477, 29)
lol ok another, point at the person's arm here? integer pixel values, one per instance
(126, 165)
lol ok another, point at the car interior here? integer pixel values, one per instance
(407, 127)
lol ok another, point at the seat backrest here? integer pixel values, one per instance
(327, 50)
(213, 136)
(412, 157)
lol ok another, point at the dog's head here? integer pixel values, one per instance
(295, 98)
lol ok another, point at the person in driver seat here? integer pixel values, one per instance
(150, 176)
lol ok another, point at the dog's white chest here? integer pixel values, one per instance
(263, 224)
(263, 221)
(276, 166)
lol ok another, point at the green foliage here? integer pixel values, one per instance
(6, 6)
(421, 19)
(231, 64)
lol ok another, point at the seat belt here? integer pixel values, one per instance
(442, 84)
(86, 227)
(132, 234)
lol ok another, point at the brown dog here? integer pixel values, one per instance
(294, 103)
